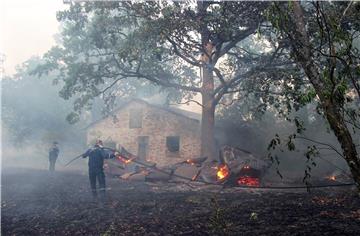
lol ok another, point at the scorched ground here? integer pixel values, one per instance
(37, 203)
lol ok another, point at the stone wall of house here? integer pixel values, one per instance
(157, 124)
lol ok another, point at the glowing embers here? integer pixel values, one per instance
(222, 172)
(249, 181)
(332, 177)
(124, 160)
(196, 161)
(189, 161)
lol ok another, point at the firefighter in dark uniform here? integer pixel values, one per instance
(96, 155)
(53, 155)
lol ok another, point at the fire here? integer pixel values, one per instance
(223, 172)
(189, 161)
(249, 181)
(126, 161)
(333, 178)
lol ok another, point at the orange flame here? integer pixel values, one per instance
(194, 177)
(189, 161)
(333, 177)
(223, 172)
(126, 161)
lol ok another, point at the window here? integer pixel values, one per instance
(173, 143)
(135, 120)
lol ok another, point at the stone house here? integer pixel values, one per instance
(153, 133)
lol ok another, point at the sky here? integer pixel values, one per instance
(27, 28)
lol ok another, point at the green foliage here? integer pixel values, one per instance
(310, 154)
(299, 126)
(217, 220)
(125, 46)
(274, 142)
(290, 143)
(308, 97)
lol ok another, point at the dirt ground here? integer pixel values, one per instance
(36, 202)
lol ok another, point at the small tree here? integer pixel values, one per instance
(322, 37)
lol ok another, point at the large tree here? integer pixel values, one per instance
(189, 48)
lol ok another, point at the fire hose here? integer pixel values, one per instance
(75, 158)
(211, 183)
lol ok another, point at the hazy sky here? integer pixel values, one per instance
(27, 28)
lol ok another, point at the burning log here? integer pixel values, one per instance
(209, 171)
(196, 161)
(240, 167)
(222, 172)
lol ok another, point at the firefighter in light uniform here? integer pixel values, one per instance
(96, 155)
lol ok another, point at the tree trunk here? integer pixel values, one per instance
(208, 116)
(343, 135)
(208, 148)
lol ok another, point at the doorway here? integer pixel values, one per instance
(143, 142)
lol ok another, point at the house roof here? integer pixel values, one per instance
(176, 111)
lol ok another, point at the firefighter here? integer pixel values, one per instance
(96, 155)
(53, 155)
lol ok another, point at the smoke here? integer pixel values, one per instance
(254, 135)
(32, 117)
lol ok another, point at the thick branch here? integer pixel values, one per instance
(191, 61)
(240, 36)
(159, 81)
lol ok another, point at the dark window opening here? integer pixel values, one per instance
(173, 143)
(135, 120)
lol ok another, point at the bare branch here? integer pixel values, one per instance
(193, 61)
(159, 81)
(111, 85)
(187, 102)
(321, 143)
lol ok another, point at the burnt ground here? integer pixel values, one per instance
(38, 203)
